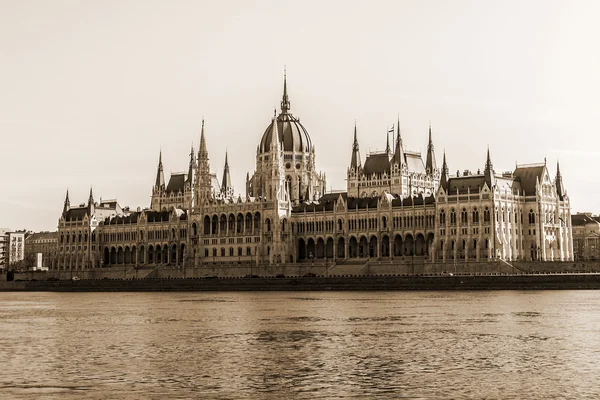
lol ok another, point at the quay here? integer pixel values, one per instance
(492, 281)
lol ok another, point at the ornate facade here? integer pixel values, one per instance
(396, 207)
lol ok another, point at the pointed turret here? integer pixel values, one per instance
(91, 202)
(203, 187)
(67, 205)
(399, 149)
(489, 171)
(202, 152)
(560, 189)
(190, 175)
(160, 177)
(285, 101)
(388, 150)
(355, 161)
(226, 186)
(444, 176)
(277, 185)
(431, 164)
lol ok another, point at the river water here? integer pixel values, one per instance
(306, 345)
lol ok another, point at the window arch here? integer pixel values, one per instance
(463, 216)
(486, 215)
(475, 215)
(531, 217)
(452, 216)
(442, 217)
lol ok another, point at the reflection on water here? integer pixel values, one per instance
(500, 345)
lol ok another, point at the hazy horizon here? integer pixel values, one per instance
(92, 91)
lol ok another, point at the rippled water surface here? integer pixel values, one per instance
(309, 345)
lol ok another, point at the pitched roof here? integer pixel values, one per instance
(377, 163)
(462, 184)
(42, 236)
(583, 219)
(76, 213)
(176, 183)
(527, 175)
(414, 162)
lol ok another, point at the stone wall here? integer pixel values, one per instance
(372, 268)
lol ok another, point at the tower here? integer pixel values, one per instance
(203, 186)
(431, 164)
(489, 171)
(67, 205)
(91, 202)
(355, 168)
(190, 175)
(399, 180)
(277, 187)
(560, 189)
(444, 175)
(226, 186)
(159, 186)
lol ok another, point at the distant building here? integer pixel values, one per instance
(4, 247)
(397, 206)
(586, 236)
(16, 248)
(41, 250)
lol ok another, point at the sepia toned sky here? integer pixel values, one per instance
(90, 91)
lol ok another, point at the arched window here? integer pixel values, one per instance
(222, 252)
(531, 217)
(231, 252)
(239, 251)
(463, 216)
(268, 223)
(214, 252)
(452, 216)
(475, 215)
(486, 215)
(206, 225)
(239, 226)
(443, 217)
(248, 251)
(340, 225)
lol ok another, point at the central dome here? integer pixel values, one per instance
(292, 135)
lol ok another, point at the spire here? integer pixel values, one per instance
(67, 204)
(285, 101)
(431, 164)
(355, 161)
(398, 150)
(160, 178)
(226, 186)
(202, 152)
(489, 170)
(488, 162)
(191, 167)
(387, 144)
(91, 203)
(444, 176)
(560, 189)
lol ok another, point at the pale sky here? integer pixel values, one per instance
(90, 91)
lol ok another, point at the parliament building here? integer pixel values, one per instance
(396, 207)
